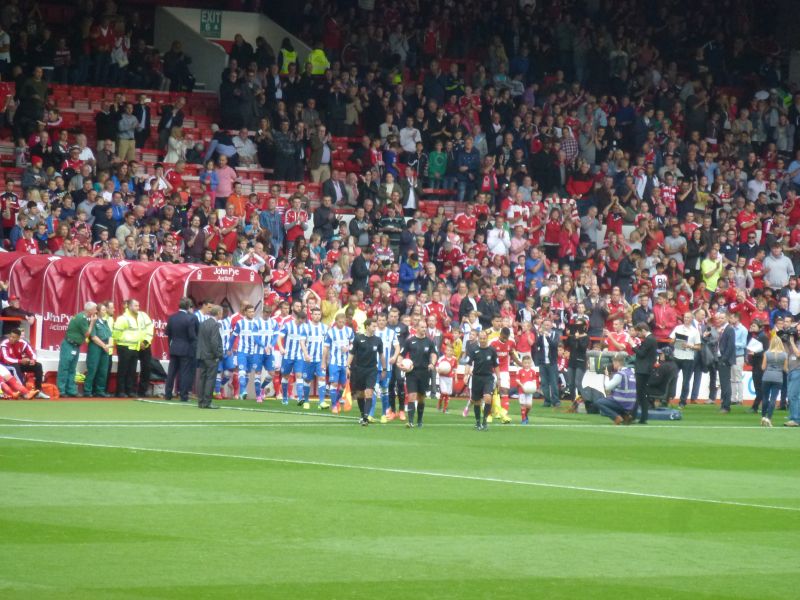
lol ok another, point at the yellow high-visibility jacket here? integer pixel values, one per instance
(133, 331)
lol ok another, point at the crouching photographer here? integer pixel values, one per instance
(619, 399)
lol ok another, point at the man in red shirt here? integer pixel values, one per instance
(747, 221)
(436, 309)
(295, 221)
(26, 243)
(666, 317)
(229, 229)
(18, 355)
(504, 347)
(465, 223)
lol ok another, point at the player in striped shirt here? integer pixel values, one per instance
(271, 329)
(248, 337)
(227, 366)
(335, 354)
(291, 347)
(391, 350)
(201, 312)
(314, 343)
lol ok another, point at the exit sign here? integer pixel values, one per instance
(211, 23)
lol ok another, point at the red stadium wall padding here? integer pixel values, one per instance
(57, 288)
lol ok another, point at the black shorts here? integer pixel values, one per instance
(482, 385)
(363, 379)
(418, 381)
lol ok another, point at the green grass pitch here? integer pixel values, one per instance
(118, 500)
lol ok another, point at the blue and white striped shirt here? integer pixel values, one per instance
(389, 339)
(315, 340)
(225, 332)
(291, 334)
(201, 317)
(271, 331)
(250, 334)
(338, 342)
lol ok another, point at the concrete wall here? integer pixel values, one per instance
(208, 59)
(250, 25)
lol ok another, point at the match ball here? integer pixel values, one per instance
(529, 387)
(444, 368)
(406, 364)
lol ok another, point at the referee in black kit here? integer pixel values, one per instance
(420, 349)
(482, 364)
(363, 367)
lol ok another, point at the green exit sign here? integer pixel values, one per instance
(211, 23)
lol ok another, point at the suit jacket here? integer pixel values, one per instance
(209, 341)
(646, 355)
(359, 271)
(167, 112)
(727, 346)
(538, 349)
(181, 333)
(317, 146)
(138, 110)
(329, 189)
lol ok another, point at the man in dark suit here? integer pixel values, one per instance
(171, 116)
(727, 358)
(334, 187)
(646, 354)
(361, 269)
(181, 333)
(209, 353)
(545, 356)
(141, 110)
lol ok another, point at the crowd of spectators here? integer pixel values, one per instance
(104, 43)
(616, 164)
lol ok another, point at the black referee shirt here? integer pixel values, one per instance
(419, 350)
(366, 352)
(483, 361)
(401, 330)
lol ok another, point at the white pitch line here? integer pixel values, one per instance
(312, 463)
(256, 410)
(135, 425)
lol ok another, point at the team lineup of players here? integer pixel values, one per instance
(386, 357)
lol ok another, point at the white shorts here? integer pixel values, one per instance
(446, 385)
(525, 399)
(504, 380)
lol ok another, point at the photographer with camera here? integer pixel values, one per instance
(577, 343)
(619, 384)
(793, 374)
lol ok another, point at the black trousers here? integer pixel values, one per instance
(208, 376)
(126, 371)
(35, 368)
(642, 404)
(758, 378)
(725, 390)
(181, 367)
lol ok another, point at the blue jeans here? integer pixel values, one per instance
(769, 393)
(549, 379)
(610, 408)
(793, 393)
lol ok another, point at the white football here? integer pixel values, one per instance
(444, 368)
(529, 387)
(406, 364)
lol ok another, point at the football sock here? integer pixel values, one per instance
(243, 382)
(487, 410)
(361, 407)
(285, 389)
(504, 402)
(411, 408)
(218, 385)
(298, 389)
(235, 384)
(420, 411)
(445, 401)
(385, 400)
(334, 396)
(257, 385)
(369, 405)
(322, 390)
(476, 408)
